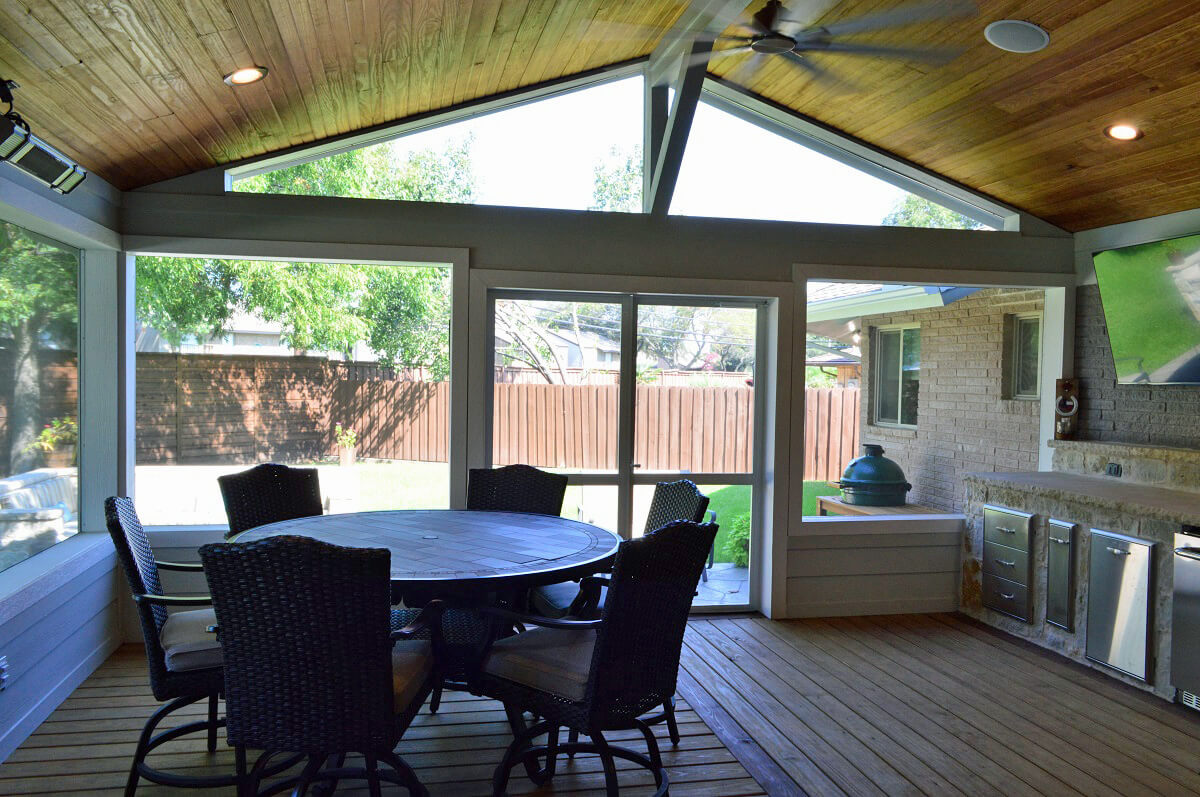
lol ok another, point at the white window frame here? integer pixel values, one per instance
(1013, 356)
(874, 366)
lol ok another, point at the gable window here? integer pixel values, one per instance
(896, 375)
(1024, 359)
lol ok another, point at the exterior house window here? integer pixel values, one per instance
(896, 375)
(1024, 362)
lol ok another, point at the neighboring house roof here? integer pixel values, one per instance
(831, 359)
(832, 307)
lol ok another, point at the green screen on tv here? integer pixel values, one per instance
(1151, 298)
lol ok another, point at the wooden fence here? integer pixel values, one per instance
(199, 409)
(830, 431)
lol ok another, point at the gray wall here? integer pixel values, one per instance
(1167, 415)
(963, 423)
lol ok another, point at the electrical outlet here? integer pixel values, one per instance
(3, 673)
(1113, 469)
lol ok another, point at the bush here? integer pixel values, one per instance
(737, 543)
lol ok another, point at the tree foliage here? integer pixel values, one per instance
(617, 182)
(39, 305)
(915, 211)
(402, 313)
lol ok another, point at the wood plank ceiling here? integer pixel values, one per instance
(132, 88)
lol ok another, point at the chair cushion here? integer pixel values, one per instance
(550, 659)
(412, 662)
(553, 600)
(186, 642)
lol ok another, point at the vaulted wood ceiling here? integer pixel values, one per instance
(132, 88)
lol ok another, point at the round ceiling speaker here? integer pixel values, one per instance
(1016, 36)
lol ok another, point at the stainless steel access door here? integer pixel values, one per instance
(1185, 615)
(1120, 598)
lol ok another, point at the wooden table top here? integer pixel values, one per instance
(834, 505)
(434, 547)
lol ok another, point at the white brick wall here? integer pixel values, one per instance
(963, 424)
(1164, 415)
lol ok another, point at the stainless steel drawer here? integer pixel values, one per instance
(1006, 526)
(1060, 573)
(1006, 596)
(1007, 563)
(1120, 602)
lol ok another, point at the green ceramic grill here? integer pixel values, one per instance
(873, 480)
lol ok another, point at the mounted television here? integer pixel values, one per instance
(1151, 298)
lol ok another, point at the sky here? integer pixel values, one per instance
(544, 155)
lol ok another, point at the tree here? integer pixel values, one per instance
(915, 211)
(617, 182)
(402, 313)
(39, 304)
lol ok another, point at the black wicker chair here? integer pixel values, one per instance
(311, 664)
(269, 493)
(184, 660)
(678, 500)
(596, 676)
(516, 488)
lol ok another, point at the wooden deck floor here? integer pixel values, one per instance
(931, 704)
(938, 705)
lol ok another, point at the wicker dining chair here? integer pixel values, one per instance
(184, 660)
(311, 664)
(269, 493)
(678, 500)
(597, 676)
(516, 488)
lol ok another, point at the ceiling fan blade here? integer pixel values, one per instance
(928, 55)
(821, 75)
(897, 17)
(704, 58)
(745, 73)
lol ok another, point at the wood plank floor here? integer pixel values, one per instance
(84, 748)
(937, 705)
(905, 705)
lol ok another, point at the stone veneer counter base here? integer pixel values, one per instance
(1125, 497)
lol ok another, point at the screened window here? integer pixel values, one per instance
(581, 150)
(1025, 357)
(726, 156)
(39, 393)
(336, 366)
(897, 375)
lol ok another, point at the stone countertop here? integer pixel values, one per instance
(1160, 502)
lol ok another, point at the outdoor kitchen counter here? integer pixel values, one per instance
(1122, 496)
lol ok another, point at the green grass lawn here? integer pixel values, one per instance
(729, 502)
(1150, 320)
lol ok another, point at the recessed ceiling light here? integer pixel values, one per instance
(1016, 36)
(1122, 132)
(241, 77)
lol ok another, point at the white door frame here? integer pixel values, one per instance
(772, 381)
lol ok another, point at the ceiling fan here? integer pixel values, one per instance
(771, 33)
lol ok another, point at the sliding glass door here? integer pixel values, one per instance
(621, 391)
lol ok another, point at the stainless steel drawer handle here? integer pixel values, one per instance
(1007, 596)
(1188, 553)
(1116, 551)
(1006, 564)
(1060, 540)
(1006, 530)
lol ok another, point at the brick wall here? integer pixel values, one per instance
(1165, 415)
(963, 424)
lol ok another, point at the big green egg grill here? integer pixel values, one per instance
(873, 480)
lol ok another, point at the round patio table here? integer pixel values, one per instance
(450, 550)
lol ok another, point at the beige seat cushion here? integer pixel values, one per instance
(187, 643)
(412, 662)
(551, 659)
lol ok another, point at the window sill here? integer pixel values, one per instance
(25, 583)
(892, 432)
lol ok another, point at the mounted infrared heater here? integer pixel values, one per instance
(29, 153)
